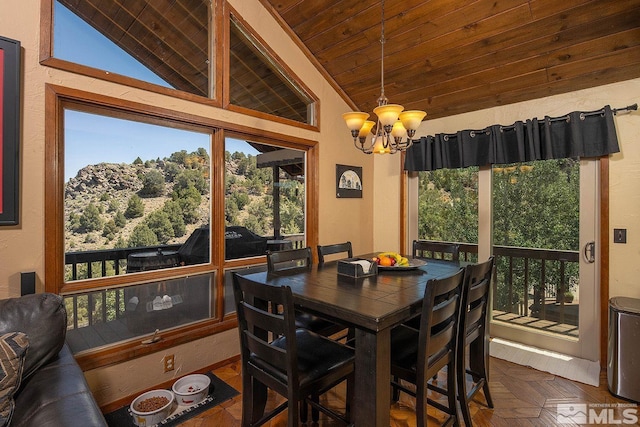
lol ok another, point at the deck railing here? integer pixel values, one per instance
(528, 281)
(109, 304)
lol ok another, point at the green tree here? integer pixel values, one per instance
(191, 178)
(135, 207)
(119, 219)
(178, 157)
(110, 229)
(448, 205)
(174, 213)
(114, 205)
(142, 236)
(171, 170)
(158, 222)
(241, 199)
(90, 219)
(153, 184)
(230, 211)
(189, 200)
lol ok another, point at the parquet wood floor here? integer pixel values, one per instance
(522, 396)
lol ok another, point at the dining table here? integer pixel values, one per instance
(373, 306)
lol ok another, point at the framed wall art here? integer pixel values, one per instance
(348, 181)
(9, 130)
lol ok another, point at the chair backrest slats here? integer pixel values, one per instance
(273, 355)
(289, 259)
(436, 250)
(476, 297)
(262, 328)
(443, 339)
(337, 248)
(439, 319)
(443, 311)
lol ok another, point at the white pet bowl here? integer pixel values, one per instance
(191, 389)
(149, 418)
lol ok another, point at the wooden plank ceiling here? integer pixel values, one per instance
(453, 56)
(442, 56)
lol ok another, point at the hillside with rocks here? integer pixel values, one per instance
(157, 202)
(109, 187)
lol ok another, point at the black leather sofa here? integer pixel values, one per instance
(53, 391)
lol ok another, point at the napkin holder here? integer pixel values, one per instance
(346, 267)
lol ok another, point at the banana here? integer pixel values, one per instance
(400, 260)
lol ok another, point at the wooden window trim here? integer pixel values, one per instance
(219, 38)
(56, 98)
(229, 12)
(47, 59)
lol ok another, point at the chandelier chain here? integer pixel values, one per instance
(383, 98)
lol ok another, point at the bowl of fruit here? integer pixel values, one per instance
(395, 261)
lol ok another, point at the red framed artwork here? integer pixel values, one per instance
(9, 130)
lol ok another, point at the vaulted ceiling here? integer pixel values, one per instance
(454, 56)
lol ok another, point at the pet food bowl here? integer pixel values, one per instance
(143, 417)
(191, 389)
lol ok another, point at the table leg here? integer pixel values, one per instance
(373, 375)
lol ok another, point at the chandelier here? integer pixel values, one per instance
(393, 125)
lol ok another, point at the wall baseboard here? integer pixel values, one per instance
(573, 368)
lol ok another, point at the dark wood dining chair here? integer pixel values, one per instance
(418, 355)
(292, 260)
(289, 259)
(474, 336)
(336, 248)
(436, 250)
(295, 363)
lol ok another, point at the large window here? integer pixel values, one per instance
(173, 47)
(141, 237)
(258, 80)
(137, 197)
(149, 209)
(134, 194)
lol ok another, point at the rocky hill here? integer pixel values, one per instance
(109, 187)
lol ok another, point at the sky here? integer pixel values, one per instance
(92, 139)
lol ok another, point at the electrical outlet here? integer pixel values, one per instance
(169, 363)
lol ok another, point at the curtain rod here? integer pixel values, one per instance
(473, 133)
(628, 108)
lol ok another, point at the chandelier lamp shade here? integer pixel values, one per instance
(394, 128)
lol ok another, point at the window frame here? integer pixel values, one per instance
(216, 18)
(229, 15)
(220, 17)
(57, 98)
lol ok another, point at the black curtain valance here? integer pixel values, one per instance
(577, 134)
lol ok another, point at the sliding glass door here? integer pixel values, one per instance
(545, 242)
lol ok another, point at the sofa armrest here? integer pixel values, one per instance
(43, 318)
(57, 395)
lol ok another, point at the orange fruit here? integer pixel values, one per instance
(385, 261)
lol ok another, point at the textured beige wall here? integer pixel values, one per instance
(624, 166)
